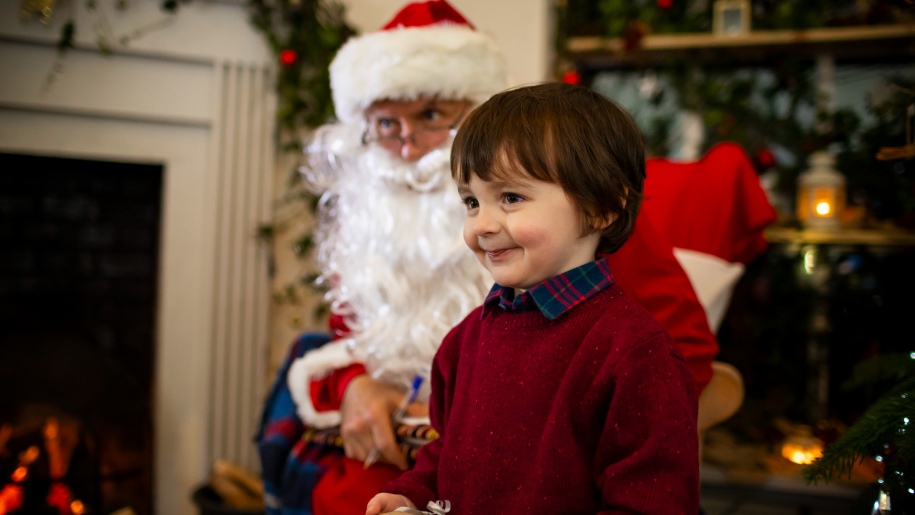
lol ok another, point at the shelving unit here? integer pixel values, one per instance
(868, 237)
(884, 42)
(780, 289)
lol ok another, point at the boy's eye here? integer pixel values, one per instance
(512, 198)
(471, 202)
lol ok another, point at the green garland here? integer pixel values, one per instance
(304, 35)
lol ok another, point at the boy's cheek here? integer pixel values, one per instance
(470, 238)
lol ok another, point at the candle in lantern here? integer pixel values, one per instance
(821, 193)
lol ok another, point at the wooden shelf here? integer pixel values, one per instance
(869, 237)
(854, 42)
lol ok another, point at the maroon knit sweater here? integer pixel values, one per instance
(593, 412)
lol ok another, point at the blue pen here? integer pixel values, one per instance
(398, 416)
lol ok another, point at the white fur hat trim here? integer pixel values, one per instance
(448, 60)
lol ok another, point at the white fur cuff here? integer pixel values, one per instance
(314, 365)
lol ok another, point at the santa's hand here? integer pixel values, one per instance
(387, 503)
(366, 420)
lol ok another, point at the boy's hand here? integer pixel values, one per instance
(386, 503)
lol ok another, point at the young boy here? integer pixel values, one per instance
(559, 394)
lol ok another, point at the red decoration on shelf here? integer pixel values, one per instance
(633, 34)
(571, 77)
(288, 57)
(665, 4)
(765, 159)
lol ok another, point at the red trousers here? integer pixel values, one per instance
(346, 487)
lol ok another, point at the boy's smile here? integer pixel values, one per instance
(524, 231)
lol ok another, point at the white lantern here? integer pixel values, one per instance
(820, 193)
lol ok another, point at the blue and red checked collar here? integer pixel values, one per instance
(555, 296)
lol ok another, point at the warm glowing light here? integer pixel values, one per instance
(810, 261)
(20, 474)
(77, 507)
(10, 498)
(820, 193)
(802, 450)
(51, 428)
(29, 455)
(59, 497)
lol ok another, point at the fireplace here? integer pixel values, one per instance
(196, 101)
(78, 278)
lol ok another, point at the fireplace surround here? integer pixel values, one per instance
(78, 276)
(196, 99)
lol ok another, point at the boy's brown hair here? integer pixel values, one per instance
(566, 135)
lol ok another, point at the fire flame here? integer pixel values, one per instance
(59, 495)
(10, 498)
(802, 450)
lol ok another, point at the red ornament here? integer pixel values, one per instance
(288, 57)
(765, 158)
(665, 4)
(571, 77)
(633, 34)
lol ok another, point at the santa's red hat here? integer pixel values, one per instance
(427, 49)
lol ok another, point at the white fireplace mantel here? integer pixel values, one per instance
(196, 96)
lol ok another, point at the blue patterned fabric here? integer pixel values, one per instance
(289, 466)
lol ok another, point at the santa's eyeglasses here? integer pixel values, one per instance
(427, 134)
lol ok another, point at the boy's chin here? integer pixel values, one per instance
(507, 281)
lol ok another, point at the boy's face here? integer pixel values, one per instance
(524, 231)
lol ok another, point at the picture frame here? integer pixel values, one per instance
(731, 17)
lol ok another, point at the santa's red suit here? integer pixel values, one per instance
(397, 271)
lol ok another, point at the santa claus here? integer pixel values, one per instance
(390, 251)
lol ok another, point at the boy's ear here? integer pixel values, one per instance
(613, 216)
(608, 220)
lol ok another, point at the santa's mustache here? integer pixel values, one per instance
(335, 152)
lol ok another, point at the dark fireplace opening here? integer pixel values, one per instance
(78, 276)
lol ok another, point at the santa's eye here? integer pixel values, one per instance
(387, 126)
(431, 115)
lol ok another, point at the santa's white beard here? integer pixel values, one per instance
(391, 252)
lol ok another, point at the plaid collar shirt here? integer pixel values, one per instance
(555, 296)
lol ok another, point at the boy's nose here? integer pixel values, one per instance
(486, 222)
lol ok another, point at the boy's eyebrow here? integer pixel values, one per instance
(519, 182)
